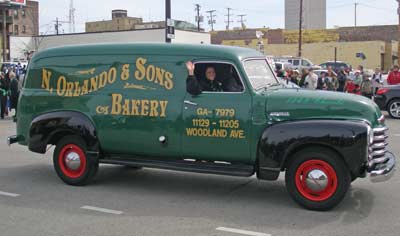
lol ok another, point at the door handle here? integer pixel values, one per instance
(190, 103)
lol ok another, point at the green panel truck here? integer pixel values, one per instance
(134, 105)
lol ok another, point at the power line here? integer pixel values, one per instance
(211, 17)
(300, 28)
(242, 20)
(199, 18)
(355, 13)
(229, 18)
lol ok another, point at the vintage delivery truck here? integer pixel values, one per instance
(129, 104)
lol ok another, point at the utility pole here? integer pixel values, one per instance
(167, 17)
(211, 20)
(71, 17)
(242, 20)
(4, 10)
(355, 13)
(300, 28)
(398, 38)
(57, 25)
(197, 9)
(229, 18)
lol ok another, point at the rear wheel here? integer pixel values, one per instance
(71, 162)
(394, 108)
(317, 178)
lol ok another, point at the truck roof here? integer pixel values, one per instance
(151, 48)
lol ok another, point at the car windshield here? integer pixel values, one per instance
(259, 73)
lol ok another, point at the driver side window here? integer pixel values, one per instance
(214, 78)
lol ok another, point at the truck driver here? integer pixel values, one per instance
(196, 86)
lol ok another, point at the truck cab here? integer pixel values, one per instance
(127, 104)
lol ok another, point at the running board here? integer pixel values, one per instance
(188, 166)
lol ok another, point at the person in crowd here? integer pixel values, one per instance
(332, 81)
(366, 87)
(14, 91)
(376, 80)
(358, 79)
(321, 84)
(394, 76)
(311, 80)
(361, 69)
(3, 95)
(295, 77)
(342, 77)
(349, 86)
(330, 70)
(304, 73)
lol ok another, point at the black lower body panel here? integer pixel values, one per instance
(183, 165)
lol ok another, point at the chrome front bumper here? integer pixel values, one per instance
(383, 171)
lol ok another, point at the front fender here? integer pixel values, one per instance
(347, 138)
(46, 128)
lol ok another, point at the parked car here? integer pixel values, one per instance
(388, 99)
(335, 65)
(130, 104)
(297, 63)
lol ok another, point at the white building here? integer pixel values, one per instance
(20, 45)
(314, 14)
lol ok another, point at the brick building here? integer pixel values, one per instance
(120, 21)
(378, 43)
(25, 20)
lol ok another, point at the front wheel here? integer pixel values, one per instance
(394, 109)
(317, 178)
(71, 162)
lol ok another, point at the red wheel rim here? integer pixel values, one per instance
(62, 161)
(305, 190)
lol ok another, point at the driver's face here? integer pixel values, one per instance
(210, 73)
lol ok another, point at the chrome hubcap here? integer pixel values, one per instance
(72, 161)
(317, 180)
(395, 109)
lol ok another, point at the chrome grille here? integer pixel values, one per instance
(377, 149)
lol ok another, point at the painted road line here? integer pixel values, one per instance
(104, 210)
(9, 194)
(240, 231)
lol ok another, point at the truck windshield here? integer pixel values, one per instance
(259, 73)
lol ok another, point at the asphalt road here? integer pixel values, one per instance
(122, 201)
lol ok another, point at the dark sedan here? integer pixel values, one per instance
(388, 99)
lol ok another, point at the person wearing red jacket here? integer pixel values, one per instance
(394, 76)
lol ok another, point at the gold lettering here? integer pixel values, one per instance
(116, 104)
(125, 72)
(159, 76)
(70, 88)
(103, 79)
(112, 75)
(94, 83)
(125, 108)
(77, 90)
(46, 75)
(150, 73)
(145, 108)
(153, 108)
(85, 87)
(61, 86)
(169, 84)
(135, 107)
(141, 70)
(163, 105)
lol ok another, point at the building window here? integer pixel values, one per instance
(16, 29)
(15, 13)
(23, 29)
(23, 13)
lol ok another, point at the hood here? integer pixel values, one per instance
(300, 104)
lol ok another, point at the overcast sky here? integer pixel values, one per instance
(269, 13)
